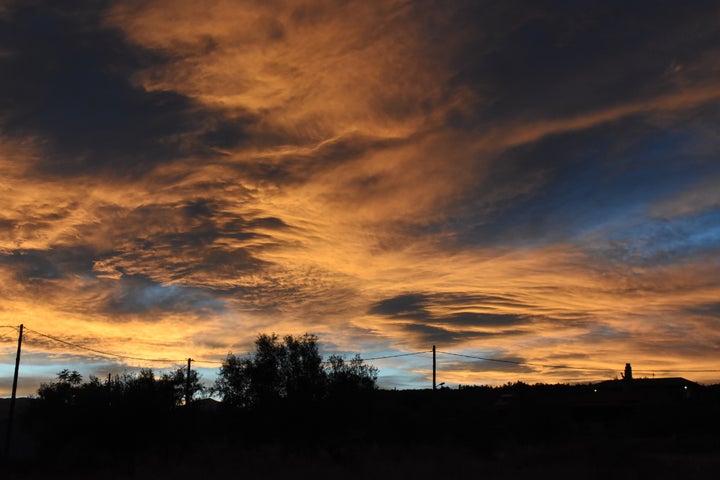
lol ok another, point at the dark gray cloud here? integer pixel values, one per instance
(189, 235)
(227, 133)
(30, 265)
(711, 309)
(411, 305)
(665, 241)
(185, 242)
(269, 223)
(541, 58)
(565, 186)
(310, 158)
(602, 333)
(418, 306)
(227, 263)
(509, 364)
(139, 294)
(483, 319)
(430, 335)
(535, 62)
(660, 350)
(71, 86)
(426, 335)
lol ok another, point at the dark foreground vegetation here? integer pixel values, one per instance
(314, 419)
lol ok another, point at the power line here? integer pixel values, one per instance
(100, 352)
(367, 359)
(328, 362)
(218, 362)
(565, 367)
(116, 355)
(395, 356)
(4, 336)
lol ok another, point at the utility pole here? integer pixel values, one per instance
(434, 368)
(11, 413)
(188, 394)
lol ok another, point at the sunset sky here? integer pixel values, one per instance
(530, 181)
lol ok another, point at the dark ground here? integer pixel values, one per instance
(445, 434)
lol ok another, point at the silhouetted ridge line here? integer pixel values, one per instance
(567, 367)
(678, 371)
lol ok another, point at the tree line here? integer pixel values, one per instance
(287, 370)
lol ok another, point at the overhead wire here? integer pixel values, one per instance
(101, 352)
(532, 364)
(168, 360)
(367, 359)
(116, 355)
(6, 336)
(395, 356)
(217, 362)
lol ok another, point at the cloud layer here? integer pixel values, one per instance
(515, 179)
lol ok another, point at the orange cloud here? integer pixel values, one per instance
(528, 132)
(316, 69)
(324, 208)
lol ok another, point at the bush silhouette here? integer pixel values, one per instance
(141, 391)
(349, 377)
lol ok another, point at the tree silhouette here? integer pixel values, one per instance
(64, 391)
(233, 382)
(178, 380)
(266, 372)
(302, 368)
(70, 377)
(289, 371)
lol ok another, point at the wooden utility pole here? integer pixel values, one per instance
(11, 412)
(434, 368)
(188, 394)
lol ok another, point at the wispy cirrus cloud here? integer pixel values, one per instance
(513, 179)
